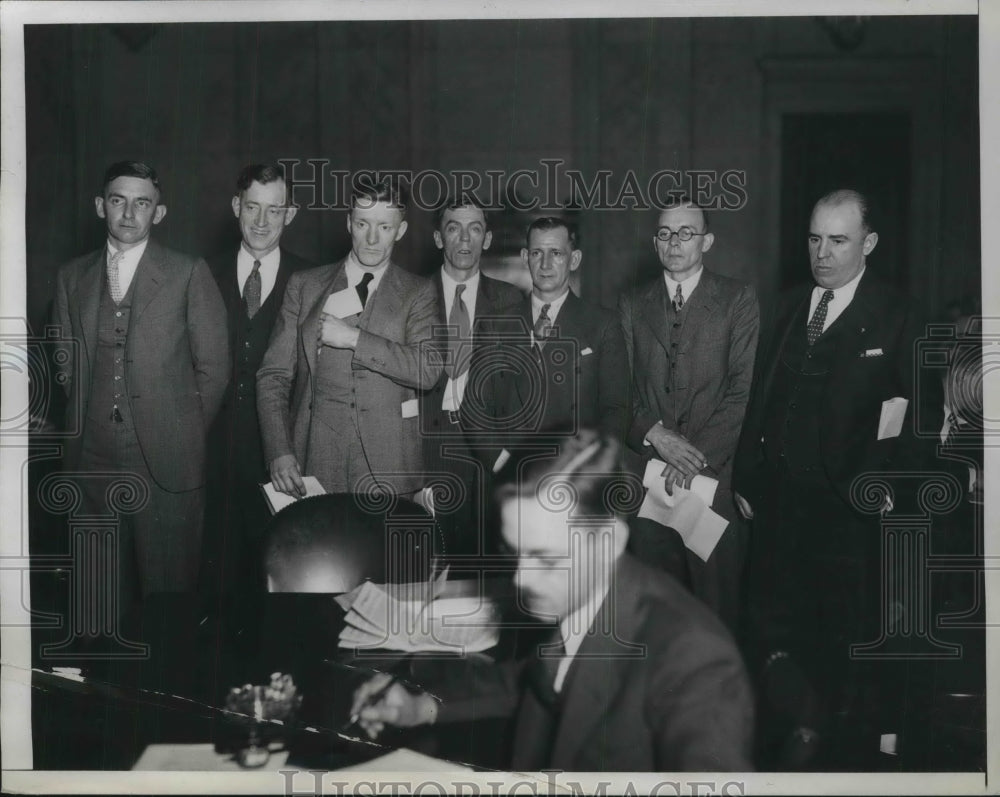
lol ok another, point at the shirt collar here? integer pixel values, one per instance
(449, 283)
(271, 260)
(574, 627)
(554, 306)
(687, 286)
(133, 255)
(845, 293)
(355, 271)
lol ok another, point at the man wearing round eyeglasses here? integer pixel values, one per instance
(691, 337)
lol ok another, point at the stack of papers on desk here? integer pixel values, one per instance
(687, 511)
(422, 617)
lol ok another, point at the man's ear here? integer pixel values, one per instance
(524, 256)
(401, 231)
(706, 241)
(99, 205)
(290, 212)
(487, 240)
(438, 240)
(159, 213)
(871, 240)
(236, 206)
(575, 259)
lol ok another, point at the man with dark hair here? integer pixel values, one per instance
(691, 336)
(637, 676)
(834, 398)
(148, 383)
(252, 280)
(567, 362)
(467, 303)
(336, 396)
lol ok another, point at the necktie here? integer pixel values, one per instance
(815, 327)
(362, 287)
(251, 291)
(678, 298)
(543, 326)
(458, 359)
(116, 289)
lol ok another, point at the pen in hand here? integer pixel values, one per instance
(373, 699)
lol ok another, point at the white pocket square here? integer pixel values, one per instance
(586, 351)
(872, 353)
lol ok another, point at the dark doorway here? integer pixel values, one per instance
(870, 152)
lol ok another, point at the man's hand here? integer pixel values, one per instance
(683, 458)
(286, 475)
(397, 706)
(672, 476)
(744, 506)
(337, 333)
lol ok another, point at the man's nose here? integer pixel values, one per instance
(372, 236)
(259, 217)
(824, 249)
(129, 211)
(463, 235)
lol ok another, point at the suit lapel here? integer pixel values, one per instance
(335, 281)
(701, 306)
(88, 290)
(149, 275)
(652, 306)
(598, 670)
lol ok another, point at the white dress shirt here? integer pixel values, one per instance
(268, 270)
(687, 286)
(128, 263)
(574, 629)
(454, 389)
(842, 297)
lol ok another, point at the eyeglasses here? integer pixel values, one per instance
(666, 235)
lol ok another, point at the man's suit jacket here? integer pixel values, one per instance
(232, 446)
(582, 381)
(494, 298)
(177, 356)
(388, 367)
(712, 368)
(679, 702)
(878, 319)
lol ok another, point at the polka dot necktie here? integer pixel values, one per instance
(113, 283)
(815, 327)
(678, 299)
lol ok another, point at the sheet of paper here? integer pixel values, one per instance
(890, 423)
(406, 760)
(702, 486)
(686, 512)
(278, 500)
(454, 392)
(501, 460)
(199, 758)
(410, 409)
(343, 303)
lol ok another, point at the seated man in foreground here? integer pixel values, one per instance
(638, 676)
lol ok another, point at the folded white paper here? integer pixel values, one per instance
(686, 511)
(501, 460)
(702, 486)
(343, 303)
(454, 391)
(277, 500)
(890, 423)
(586, 351)
(410, 409)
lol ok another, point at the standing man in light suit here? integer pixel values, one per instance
(150, 379)
(467, 302)
(252, 280)
(692, 337)
(337, 397)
